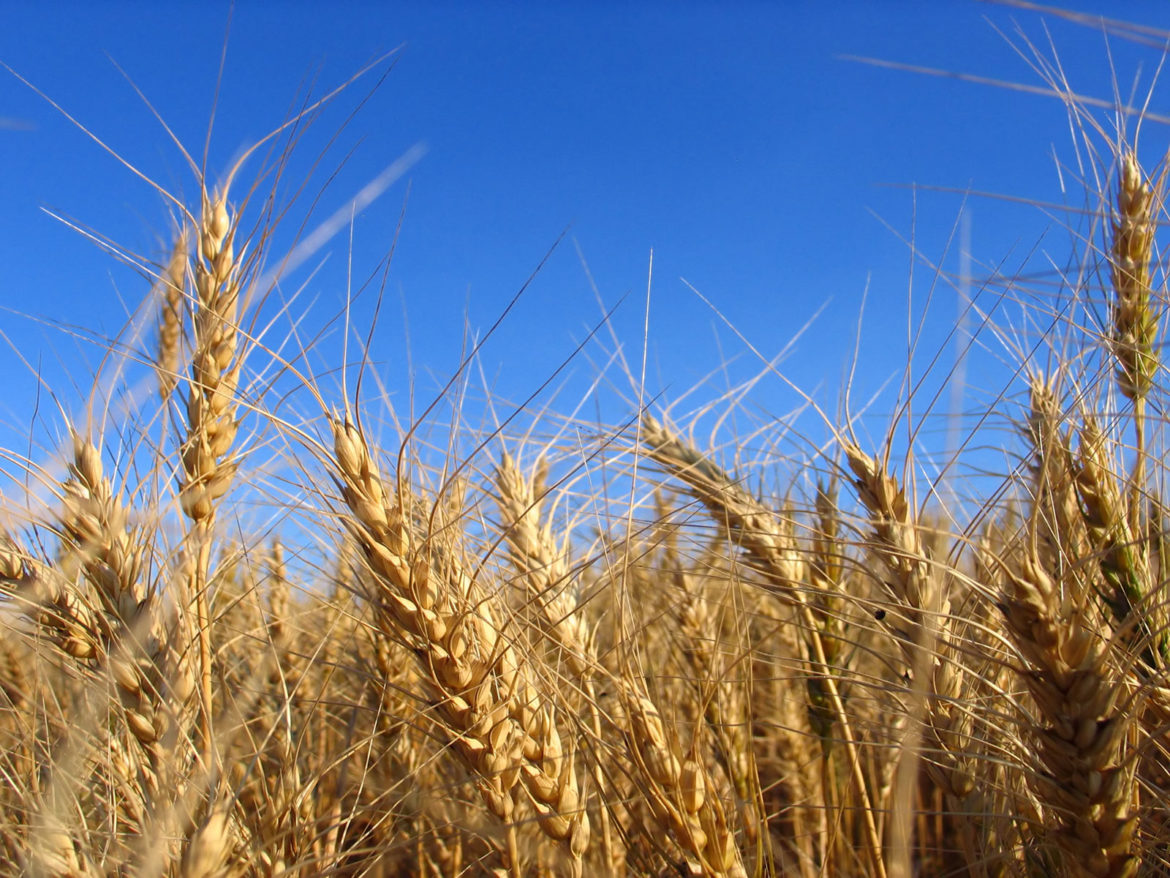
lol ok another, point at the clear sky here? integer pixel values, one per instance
(733, 140)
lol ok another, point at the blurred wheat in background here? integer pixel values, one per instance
(245, 637)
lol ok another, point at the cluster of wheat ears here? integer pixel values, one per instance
(608, 656)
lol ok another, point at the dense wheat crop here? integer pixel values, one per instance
(245, 637)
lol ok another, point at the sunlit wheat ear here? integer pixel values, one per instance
(1056, 522)
(723, 694)
(924, 628)
(1134, 328)
(748, 525)
(53, 851)
(898, 541)
(826, 572)
(208, 847)
(279, 590)
(70, 621)
(1133, 331)
(483, 688)
(93, 605)
(679, 789)
(215, 365)
(170, 291)
(1128, 587)
(211, 427)
(98, 537)
(542, 564)
(1084, 778)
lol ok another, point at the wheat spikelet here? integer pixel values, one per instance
(209, 847)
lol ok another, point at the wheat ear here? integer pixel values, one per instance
(211, 423)
(96, 532)
(542, 565)
(1081, 727)
(498, 721)
(169, 290)
(544, 569)
(751, 526)
(923, 628)
(679, 790)
(1120, 552)
(1058, 524)
(1134, 326)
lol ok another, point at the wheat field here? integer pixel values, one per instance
(247, 639)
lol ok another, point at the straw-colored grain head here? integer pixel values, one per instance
(171, 289)
(1134, 329)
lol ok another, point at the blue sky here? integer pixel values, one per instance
(732, 140)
